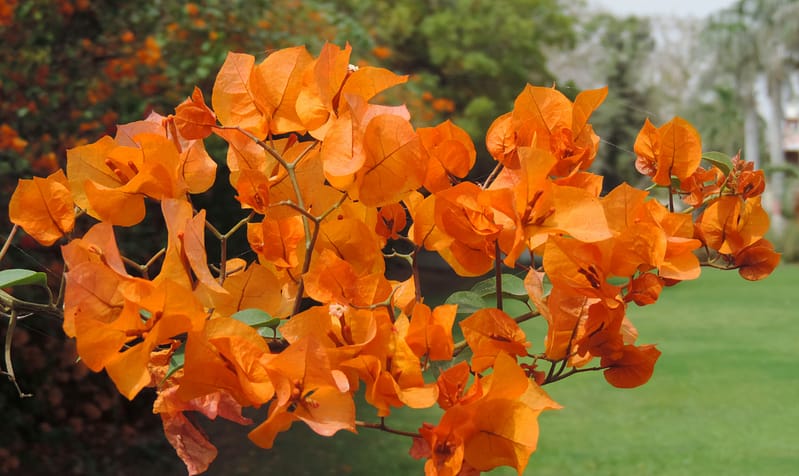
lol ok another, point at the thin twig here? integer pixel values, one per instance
(417, 284)
(62, 287)
(526, 316)
(671, 198)
(710, 264)
(498, 274)
(309, 246)
(573, 371)
(492, 176)
(217, 234)
(12, 322)
(152, 260)
(459, 347)
(382, 426)
(7, 244)
(295, 207)
(269, 150)
(9, 302)
(310, 239)
(223, 245)
(144, 269)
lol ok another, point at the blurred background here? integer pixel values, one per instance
(72, 69)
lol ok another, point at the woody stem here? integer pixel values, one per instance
(382, 426)
(223, 246)
(498, 274)
(9, 371)
(671, 199)
(574, 370)
(492, 176)
(7, 244)
(417, 284)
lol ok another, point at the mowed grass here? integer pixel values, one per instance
(724, 400)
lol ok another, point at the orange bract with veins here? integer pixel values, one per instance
(490, 332)
(43, 207)
(307, 389)
(673, 149)
(545, 119)
(193, 118)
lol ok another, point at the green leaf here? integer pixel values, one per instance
(512, 286)
(22, 277)
(256, 318)
(176, 361)
(720, 160)
(468, 301)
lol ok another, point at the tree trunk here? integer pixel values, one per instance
(751, 129)
(777, 156)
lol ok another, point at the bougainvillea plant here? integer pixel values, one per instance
(331, 185)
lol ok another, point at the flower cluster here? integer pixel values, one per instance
(336, 184)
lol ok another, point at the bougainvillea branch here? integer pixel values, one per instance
(334, 184)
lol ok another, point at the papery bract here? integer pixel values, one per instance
(673, 149)
(235, 97)
(193, 118)
(489, 332)
(281, 73)
(307, 390)
(452, 155)
(634, 368)
(730, 224)
(170, 310)
(111, 181)
(757, 260)
(430, 333)
(43, 207)
(226, 354)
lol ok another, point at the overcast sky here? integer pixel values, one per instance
(694, 8)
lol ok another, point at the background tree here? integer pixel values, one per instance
(755, 45)
(69, 71)
(626, 45)
(458, 50)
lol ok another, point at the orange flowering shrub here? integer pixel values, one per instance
(333, 184)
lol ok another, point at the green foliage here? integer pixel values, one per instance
(258, 319)
(457, 49)
(720, 160)
(21, 277)
(468, 301)
(71, 70)
(625, 44)
(512, 286)
(719, 119)
(176, 361)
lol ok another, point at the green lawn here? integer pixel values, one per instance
(723, 400)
